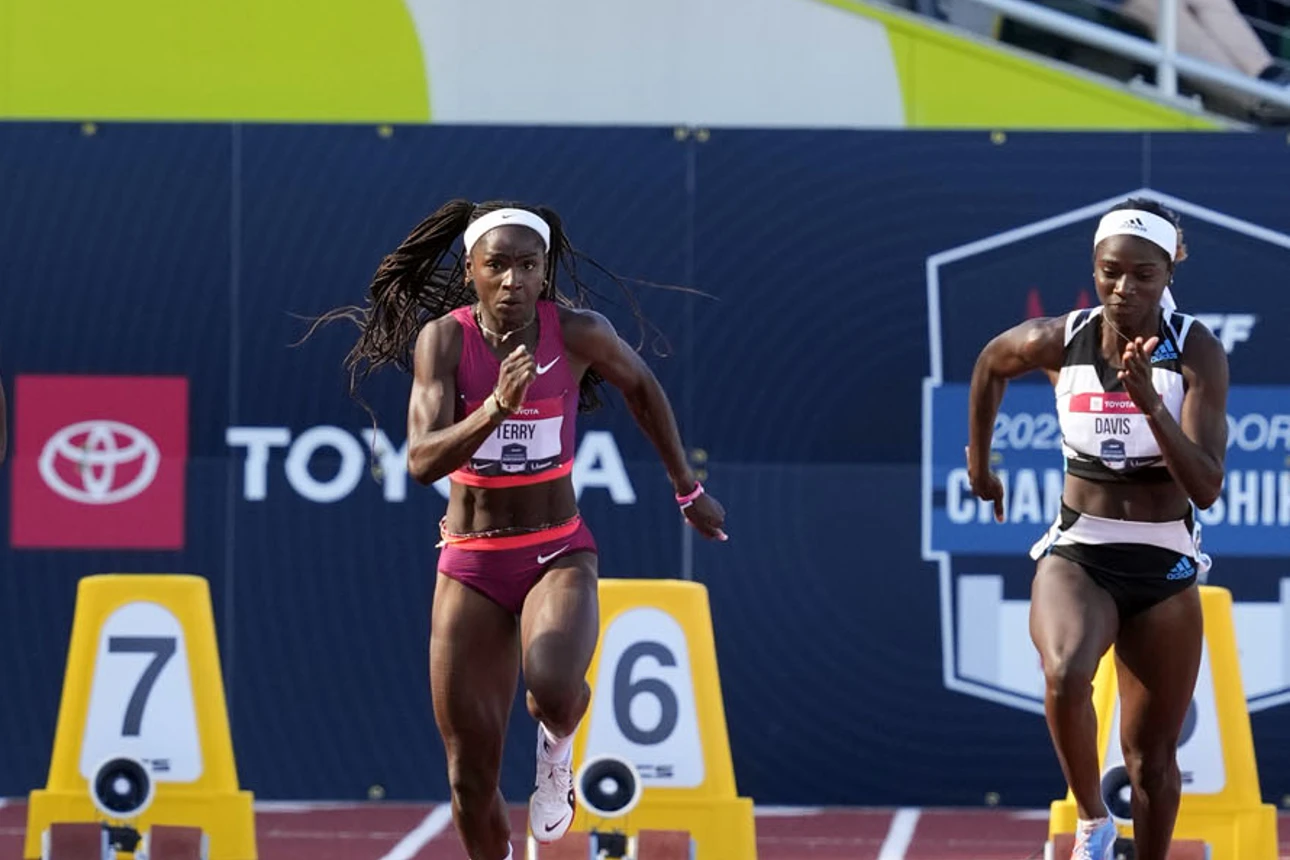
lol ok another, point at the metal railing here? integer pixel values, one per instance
(1161, 53)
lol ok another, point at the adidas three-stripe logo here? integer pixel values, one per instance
(1164, 352)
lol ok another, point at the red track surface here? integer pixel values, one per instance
(370, 831)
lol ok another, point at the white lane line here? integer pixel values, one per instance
(899, 834)
(433, 824)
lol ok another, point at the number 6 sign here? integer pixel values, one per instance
(645, 711)
(656, 702)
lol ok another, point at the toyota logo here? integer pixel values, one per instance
(99, 462)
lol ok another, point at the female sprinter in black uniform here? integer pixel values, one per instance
(1142, 400)
(501, 364)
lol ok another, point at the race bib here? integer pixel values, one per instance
(526, 442)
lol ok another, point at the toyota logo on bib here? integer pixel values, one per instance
(99, 462)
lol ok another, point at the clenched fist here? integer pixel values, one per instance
(517, 373)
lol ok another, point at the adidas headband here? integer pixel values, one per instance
(1144, 225)
(501, 217)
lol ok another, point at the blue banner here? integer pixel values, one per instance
(869, 618)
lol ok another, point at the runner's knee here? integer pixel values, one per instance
(1067, 676)
(558, 703)
(557, 692)
(1151, 764)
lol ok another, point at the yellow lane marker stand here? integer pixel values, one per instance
(143, 685)
(1221, 803)
(656, 705)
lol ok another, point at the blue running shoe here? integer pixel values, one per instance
(1098, 844)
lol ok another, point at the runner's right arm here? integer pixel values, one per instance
(1036, 344)
(436, 445)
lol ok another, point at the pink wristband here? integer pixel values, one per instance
(688, 499)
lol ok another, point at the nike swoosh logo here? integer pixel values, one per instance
(543, 559)
(549, 827)
(543, 368)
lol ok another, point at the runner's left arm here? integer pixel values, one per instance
(593, 342)
(1195, 446)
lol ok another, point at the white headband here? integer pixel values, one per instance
(1144, 225)
(500, 217)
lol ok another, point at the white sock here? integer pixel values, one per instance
(556, 748)
(510, 853)
(1092, 824)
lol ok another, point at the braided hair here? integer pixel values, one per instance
(424, 278)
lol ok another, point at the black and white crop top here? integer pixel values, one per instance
(1104, 435)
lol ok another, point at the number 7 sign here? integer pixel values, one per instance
(143, 682)
(141, 698)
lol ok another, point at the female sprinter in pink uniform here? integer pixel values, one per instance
(501, 364)
(1142, 401)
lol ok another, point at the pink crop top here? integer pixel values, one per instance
(536, 443)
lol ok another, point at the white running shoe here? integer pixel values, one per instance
(552, 803)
